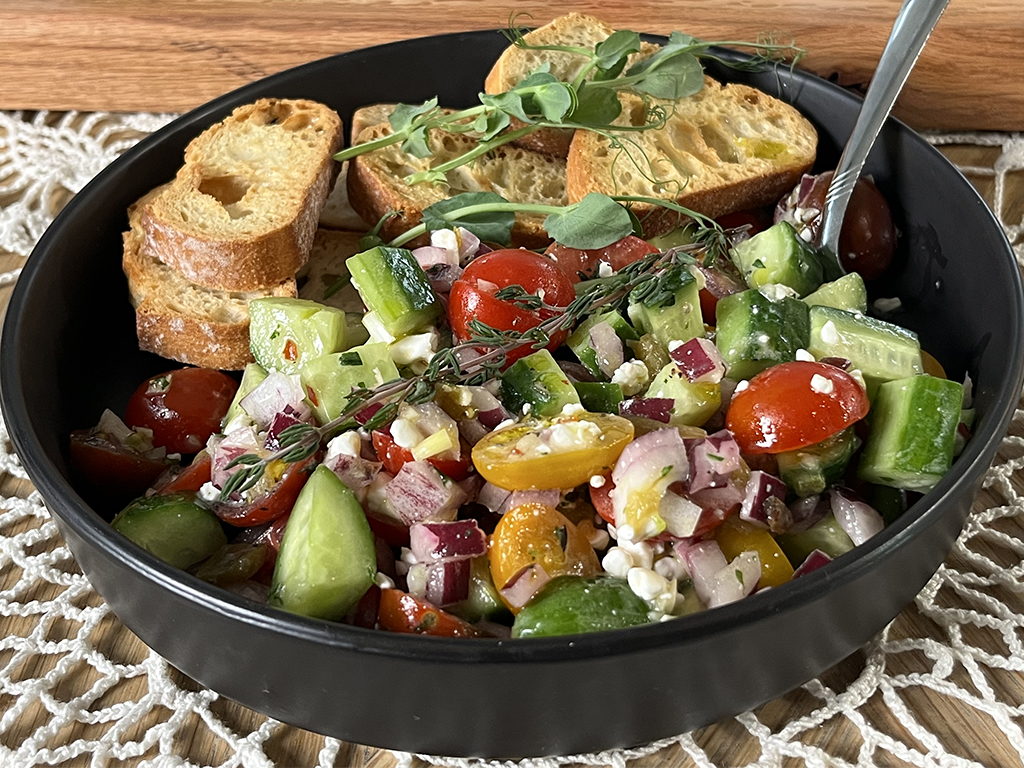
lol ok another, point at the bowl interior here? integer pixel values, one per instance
(69, 348)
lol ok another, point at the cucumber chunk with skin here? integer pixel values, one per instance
(172, 527)
(848, 292)
(327, 559)
(913, 431)
(810, 470)
(569, 605)
(252, 377)
(754, 332)
(286, 333)
(881, 351)
(537, 381)
(395, 289)
(330, 379)
(779, 255)
(599, 397)
(579, 341)
(695, 403)
(678, 320)
(826, 535)
(483, 602)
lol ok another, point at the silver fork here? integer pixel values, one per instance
(910, 31)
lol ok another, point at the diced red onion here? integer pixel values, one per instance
(719, 283)
(494, 417)
(224, 450)
(473, 430)
(492, 497)
(419, 493)
(524, 585)
(681, 515)
(429, 255)
(736, 580)
(655, 408)
(807, 511)
(432, 542)
(759, 488)
(855, 516)
(354, 471)
(443, 276)
(703, 560)
(278, 393)
(657, 457)
(518, 498)
(470, 487)
(837, 362)
(699, 360)
(575, 371)
(469, 244)
(713, 459)
(367, 413)
(607, 348)
(280, 423)
(812, 562)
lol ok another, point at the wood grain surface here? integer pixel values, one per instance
(125, 55)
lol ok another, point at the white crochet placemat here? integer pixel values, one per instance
(936, 688)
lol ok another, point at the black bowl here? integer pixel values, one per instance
(69, 351)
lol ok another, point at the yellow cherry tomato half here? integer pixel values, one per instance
(551, 454)
(535, 533)
(735, 536)
(932, 366)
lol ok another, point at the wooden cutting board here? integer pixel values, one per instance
(174, 55)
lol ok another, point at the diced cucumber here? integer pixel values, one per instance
(569, 605)
(754, 332)
(286, 333)
(881, 351)
(679, 320)
(579, 342)
(679, 236)
(848, 292)
(395, 289)
(537, 381)
(598, 396)
(826, 535)
(483, 602)
(330, 379)
(172, 527)
(695, 403)
(327, 558)
(252, 377)
(779, 255)
(810, 470)
(355, 331)
(913, 429)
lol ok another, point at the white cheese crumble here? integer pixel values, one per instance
(383, 581)
(416, 349)
(406, 434)
(597, 481)
(571, 409)
(208, 492)
(805, 356)
(643, 555)
(572, 435)
(449, 241)
(632, 376)
(376, 329)
(617, 562)
(741, 386)
(829, 333)
(776, 291)
(346, 444)
(604, 269)
(886, 305)
(646, 583)
(821, 385)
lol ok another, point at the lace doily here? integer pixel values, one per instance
(943, 685)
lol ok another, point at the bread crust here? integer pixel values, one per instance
(227, 222)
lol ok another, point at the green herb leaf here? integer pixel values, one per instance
(489, 124)
(416, 145)
(554, 101)
(676, 78)
(490, 226)
(509, 102)
(596, 106)
(597, 221)
(403, 116)
(350, 358)
(612, 53)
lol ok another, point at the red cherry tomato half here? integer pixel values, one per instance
(794, 405)
(108, 469)
(401, 612)
(572, 261)
(183, 408)
(393, 457)
(190, 478)
(272, 504)
(601, 498)
(472, 295)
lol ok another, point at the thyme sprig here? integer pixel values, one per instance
(471, 362)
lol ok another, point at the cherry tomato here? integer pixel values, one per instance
(735, 536)
(270, 504)
(868, 237)
(393, 457)
(472, 295)
(528, 456)
(794, 405)
(364, 614)
(106, 468)
(183, 407)
(190, 478)
(601, 498)
(572, 261)
(537, 534)
(401, 612)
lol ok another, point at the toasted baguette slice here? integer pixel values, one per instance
(241, 213)
(376, 182)
(576, 30)
(724, 149)
(183, 321)
(326, 266)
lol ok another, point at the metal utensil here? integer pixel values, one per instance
(910, 31)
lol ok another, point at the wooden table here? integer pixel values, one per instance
(109, 55)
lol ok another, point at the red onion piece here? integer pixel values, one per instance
(655, 408)
(607, 348)
(419, 493)
(524, 585)
(354, 471)
(280, 423)
(367, 413)
(699, 360)
(472, 431)
(759, 488)
(719, 283)
(807, 511)
(492, 497)
(855, 516)
(447, 582)
(432, 542)
(736, 580)
(278, 393)
(223, 450)
(494, 417)
(812, 562)
(713, 459)
(576, 372)
(681, 515)
(703, 560)
(518, 498)
(443, 276)
(429, 255)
